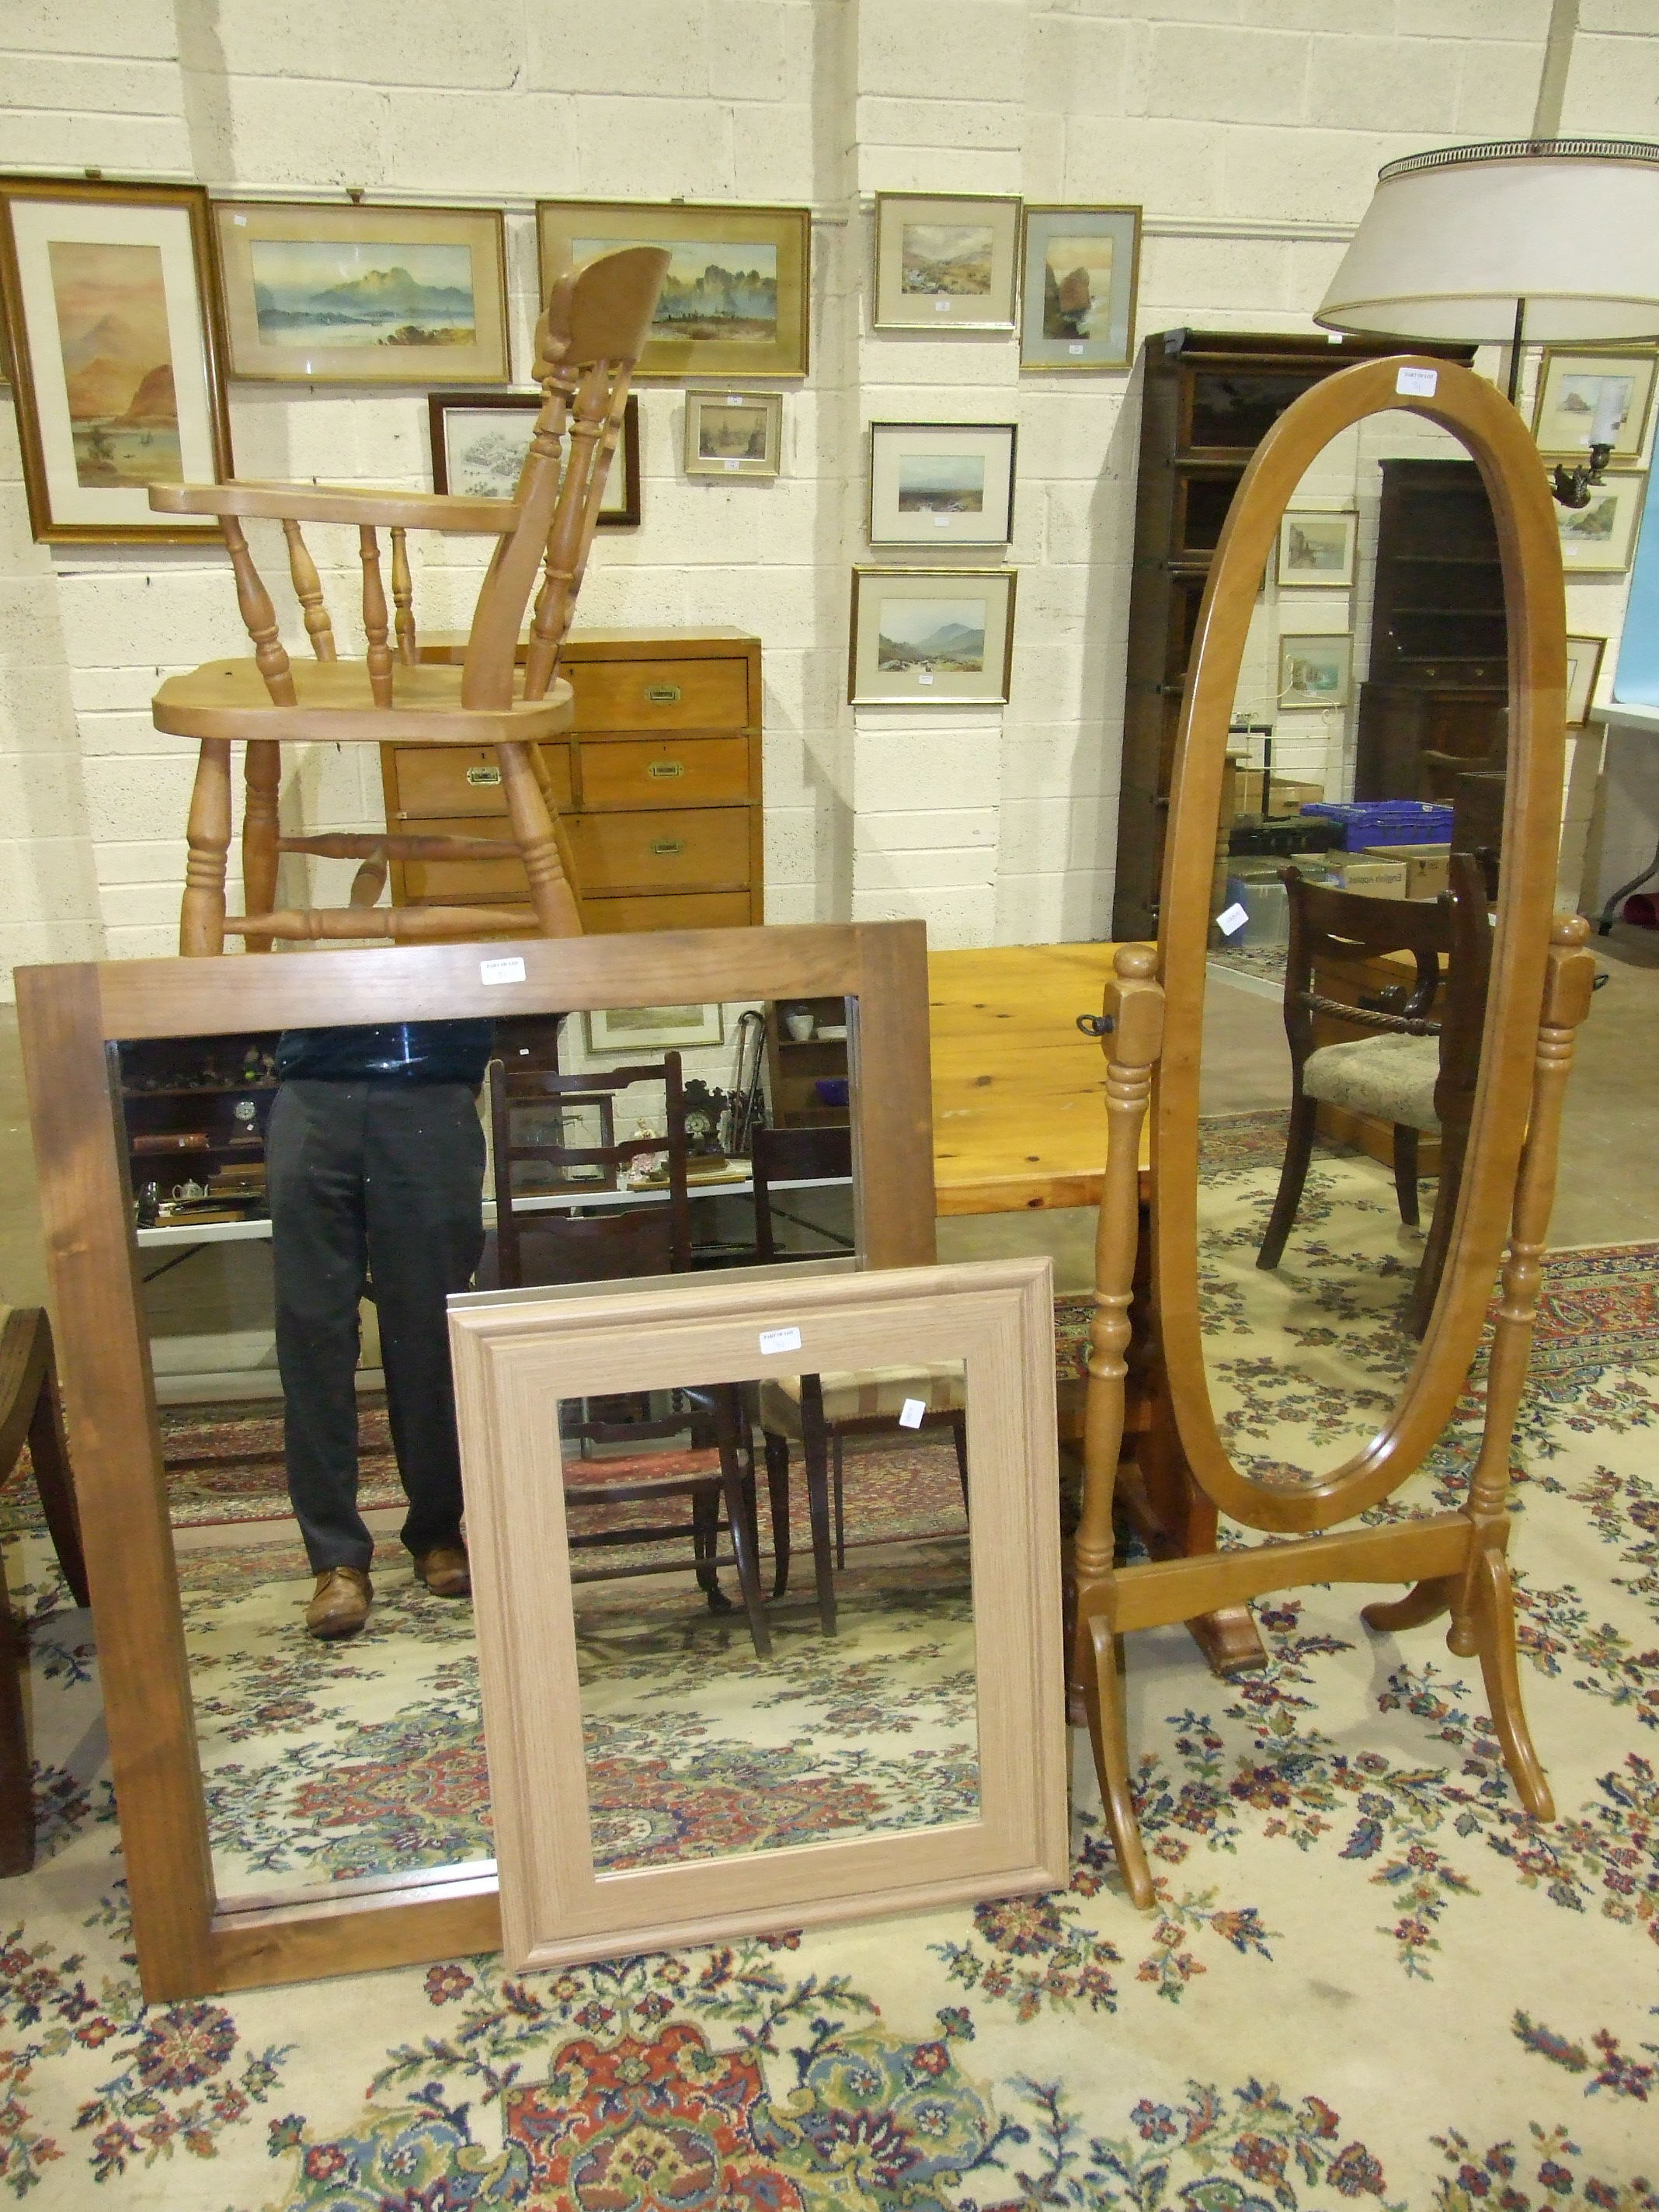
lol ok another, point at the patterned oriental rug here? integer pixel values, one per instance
(1371, 1978)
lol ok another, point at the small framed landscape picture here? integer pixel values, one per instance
(1081, 266)
(321, 294)
(654, 1029)
(479, 439)
(1605, 396)
(733, 434)
(933, 637)
(1584, 668)
(114, 363)
(1598, 538)
(734, 302)
(1314, 671)
(941, 483)
(1317, 548)
(946, 261)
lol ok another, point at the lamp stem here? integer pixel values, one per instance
(1513, 392)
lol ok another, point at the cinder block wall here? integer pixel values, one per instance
(1250, 130)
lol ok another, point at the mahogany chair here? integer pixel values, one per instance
(548, 1244)
(1418, 1072)
(789, 1155)
(587, 343)
(30, 1413)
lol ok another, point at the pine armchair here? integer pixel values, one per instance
(586, 344)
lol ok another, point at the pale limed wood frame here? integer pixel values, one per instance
(69, 1015)
(514, 1364)
(1540, 990)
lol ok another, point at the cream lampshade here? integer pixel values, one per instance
(1551, 240)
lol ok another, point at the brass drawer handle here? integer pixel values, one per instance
(480, 777)
(663, 694)
(661, 769)
(662, 846)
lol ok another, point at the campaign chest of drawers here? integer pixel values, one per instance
(658, 785)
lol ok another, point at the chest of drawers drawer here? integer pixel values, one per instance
(654, 772)
(659, 695)
(703, 849)
(445, 780)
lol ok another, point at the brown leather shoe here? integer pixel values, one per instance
(444, 1569)
(340, 1604)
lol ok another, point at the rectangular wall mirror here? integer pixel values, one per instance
(695, 1727)
(694, 1106)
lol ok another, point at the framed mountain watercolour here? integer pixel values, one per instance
(107, 292)
(946, 261)
(941, 483)
(325, 295)
(931, 637)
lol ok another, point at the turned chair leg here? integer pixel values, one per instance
(1405, 1172)
(1109, 1734)
(1298, 1150)
(202, 911)
(263, 778)
(777, 1499)
(551, 893)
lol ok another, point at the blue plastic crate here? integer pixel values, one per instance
(1386, 821)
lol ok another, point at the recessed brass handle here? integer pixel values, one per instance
(479, 776)
(661, 769)
(663, 694)
(664, 846)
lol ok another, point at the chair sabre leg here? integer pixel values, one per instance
(1103, 1690)
(777, 1496)
(748, 1570)
(1420, 1604)
(1492, 1617)
(1298, 1150)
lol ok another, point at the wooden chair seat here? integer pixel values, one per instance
(228, 699)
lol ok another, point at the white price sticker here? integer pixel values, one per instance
(731, 468)
(923, 675)
(941, 522)
(941, 307)
(501, 971)
(734, 400)
(911, 1413)
(1417, 383)
(779, 1339)
(1074, 349)
(1233, 919)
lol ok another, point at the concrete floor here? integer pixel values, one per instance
(1607, 1187)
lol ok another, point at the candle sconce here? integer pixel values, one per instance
(1572, 486)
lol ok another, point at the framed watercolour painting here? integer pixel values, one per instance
(1080, 268)
(479, 439)
(734, 302)
(946, 261)
(941, 483)
(1317, 548)
(323, 294)
(733, 434)
(1598, 538)
(655, 1029)
(1314, 671)
(1584, 669)
(1580, 394)
(108, 292)
(936, 636)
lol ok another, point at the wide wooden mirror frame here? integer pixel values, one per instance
(68, 1016)
(1541, 981)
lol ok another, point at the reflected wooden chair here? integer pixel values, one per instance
(792, 1155)
(1418, 1073)
(548, 1244)
(717, 1469)
(30, 1413)
(587, 343)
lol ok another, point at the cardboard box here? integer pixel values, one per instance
(1375, 878)
(1285, 795)
(1426, 867)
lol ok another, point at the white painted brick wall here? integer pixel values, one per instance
(991, 825)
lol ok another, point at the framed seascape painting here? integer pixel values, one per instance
(1080, 269)
(1579, 393)
(733, 434)
(107, 292)
(1598, 538)
(479, 439)
(1314, 671)
(1317, 548)
(734, 302)
(321, 294)
(941, 483)
(936, 636)
(946, 261)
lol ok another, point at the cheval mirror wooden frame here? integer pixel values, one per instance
(513, 1364)
(1541, 980)
(71, 1017)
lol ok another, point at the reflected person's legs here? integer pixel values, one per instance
(423, 1156)
(313, 1172)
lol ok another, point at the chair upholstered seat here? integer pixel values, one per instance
(867, 1394)
(1391, 1077)
(659, 1467)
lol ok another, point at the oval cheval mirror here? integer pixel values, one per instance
(1337, 1182)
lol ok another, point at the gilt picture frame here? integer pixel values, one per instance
(113, 353)
(1599, 538)
(736, 300)
(1571, 383)
(932, 637)
(733, 434)
(1315, 671)
(654, 1029)
(479, 439)
(942, 483)
(1317, 548)
(1080, 280)
(946, 261)
(320, 294)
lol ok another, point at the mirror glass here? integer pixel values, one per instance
(302, 1205)
(1358, 849)
(739, 1694)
